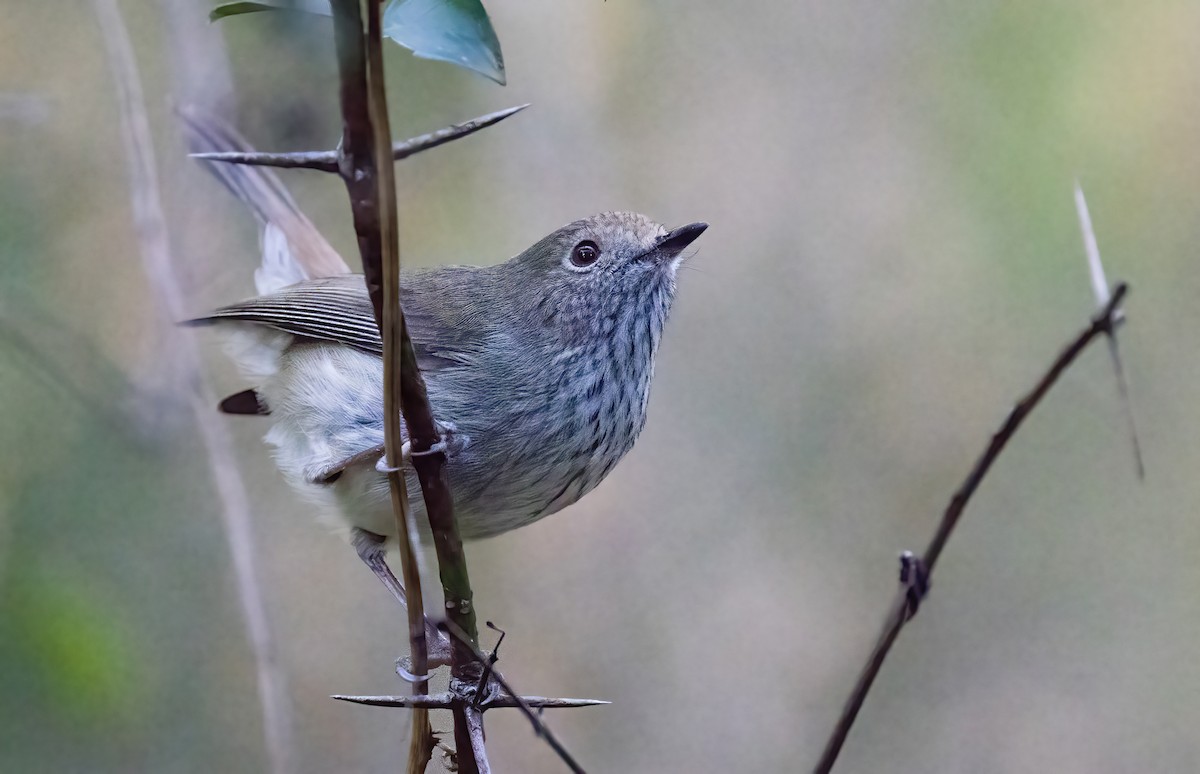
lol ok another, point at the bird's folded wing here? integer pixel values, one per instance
(338, 309)
(327, 309)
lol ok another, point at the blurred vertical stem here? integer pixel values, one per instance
(230, 489)
(366, 166)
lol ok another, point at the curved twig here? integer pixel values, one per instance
(904, 605)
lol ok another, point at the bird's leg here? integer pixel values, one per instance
(334, 472)
(370, 548)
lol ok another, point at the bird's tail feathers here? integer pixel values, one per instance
(292, 247)
(279, 267)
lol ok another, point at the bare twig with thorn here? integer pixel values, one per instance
(535, 718)
(327, 161)
(915, 573)
(1101, 292)
(492, 658)
(446, 700)
(468, 703)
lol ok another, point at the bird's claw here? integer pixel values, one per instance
(438, 656)
(449, 442)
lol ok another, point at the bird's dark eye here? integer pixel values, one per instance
(585, 253)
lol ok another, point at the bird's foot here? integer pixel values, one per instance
(450, 442)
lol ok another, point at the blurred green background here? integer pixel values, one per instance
(894, 256)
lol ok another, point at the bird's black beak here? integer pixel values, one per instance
(674, 242)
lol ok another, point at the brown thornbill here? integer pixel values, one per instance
(538, 368)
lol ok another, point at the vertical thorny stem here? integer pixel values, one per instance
(371, 186)
(365, 165)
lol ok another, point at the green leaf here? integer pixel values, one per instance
(319, 7)
(455, 31)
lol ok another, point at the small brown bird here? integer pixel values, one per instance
(538, 368)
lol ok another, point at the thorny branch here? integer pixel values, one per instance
(916, 572)
(535, 719)
(446, 700)
(362, 163)
(327, 161)
(1100, 290)
(372, 191)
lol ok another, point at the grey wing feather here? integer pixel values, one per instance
(327, 309)
(338, 309)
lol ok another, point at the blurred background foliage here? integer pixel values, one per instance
(893, 256)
